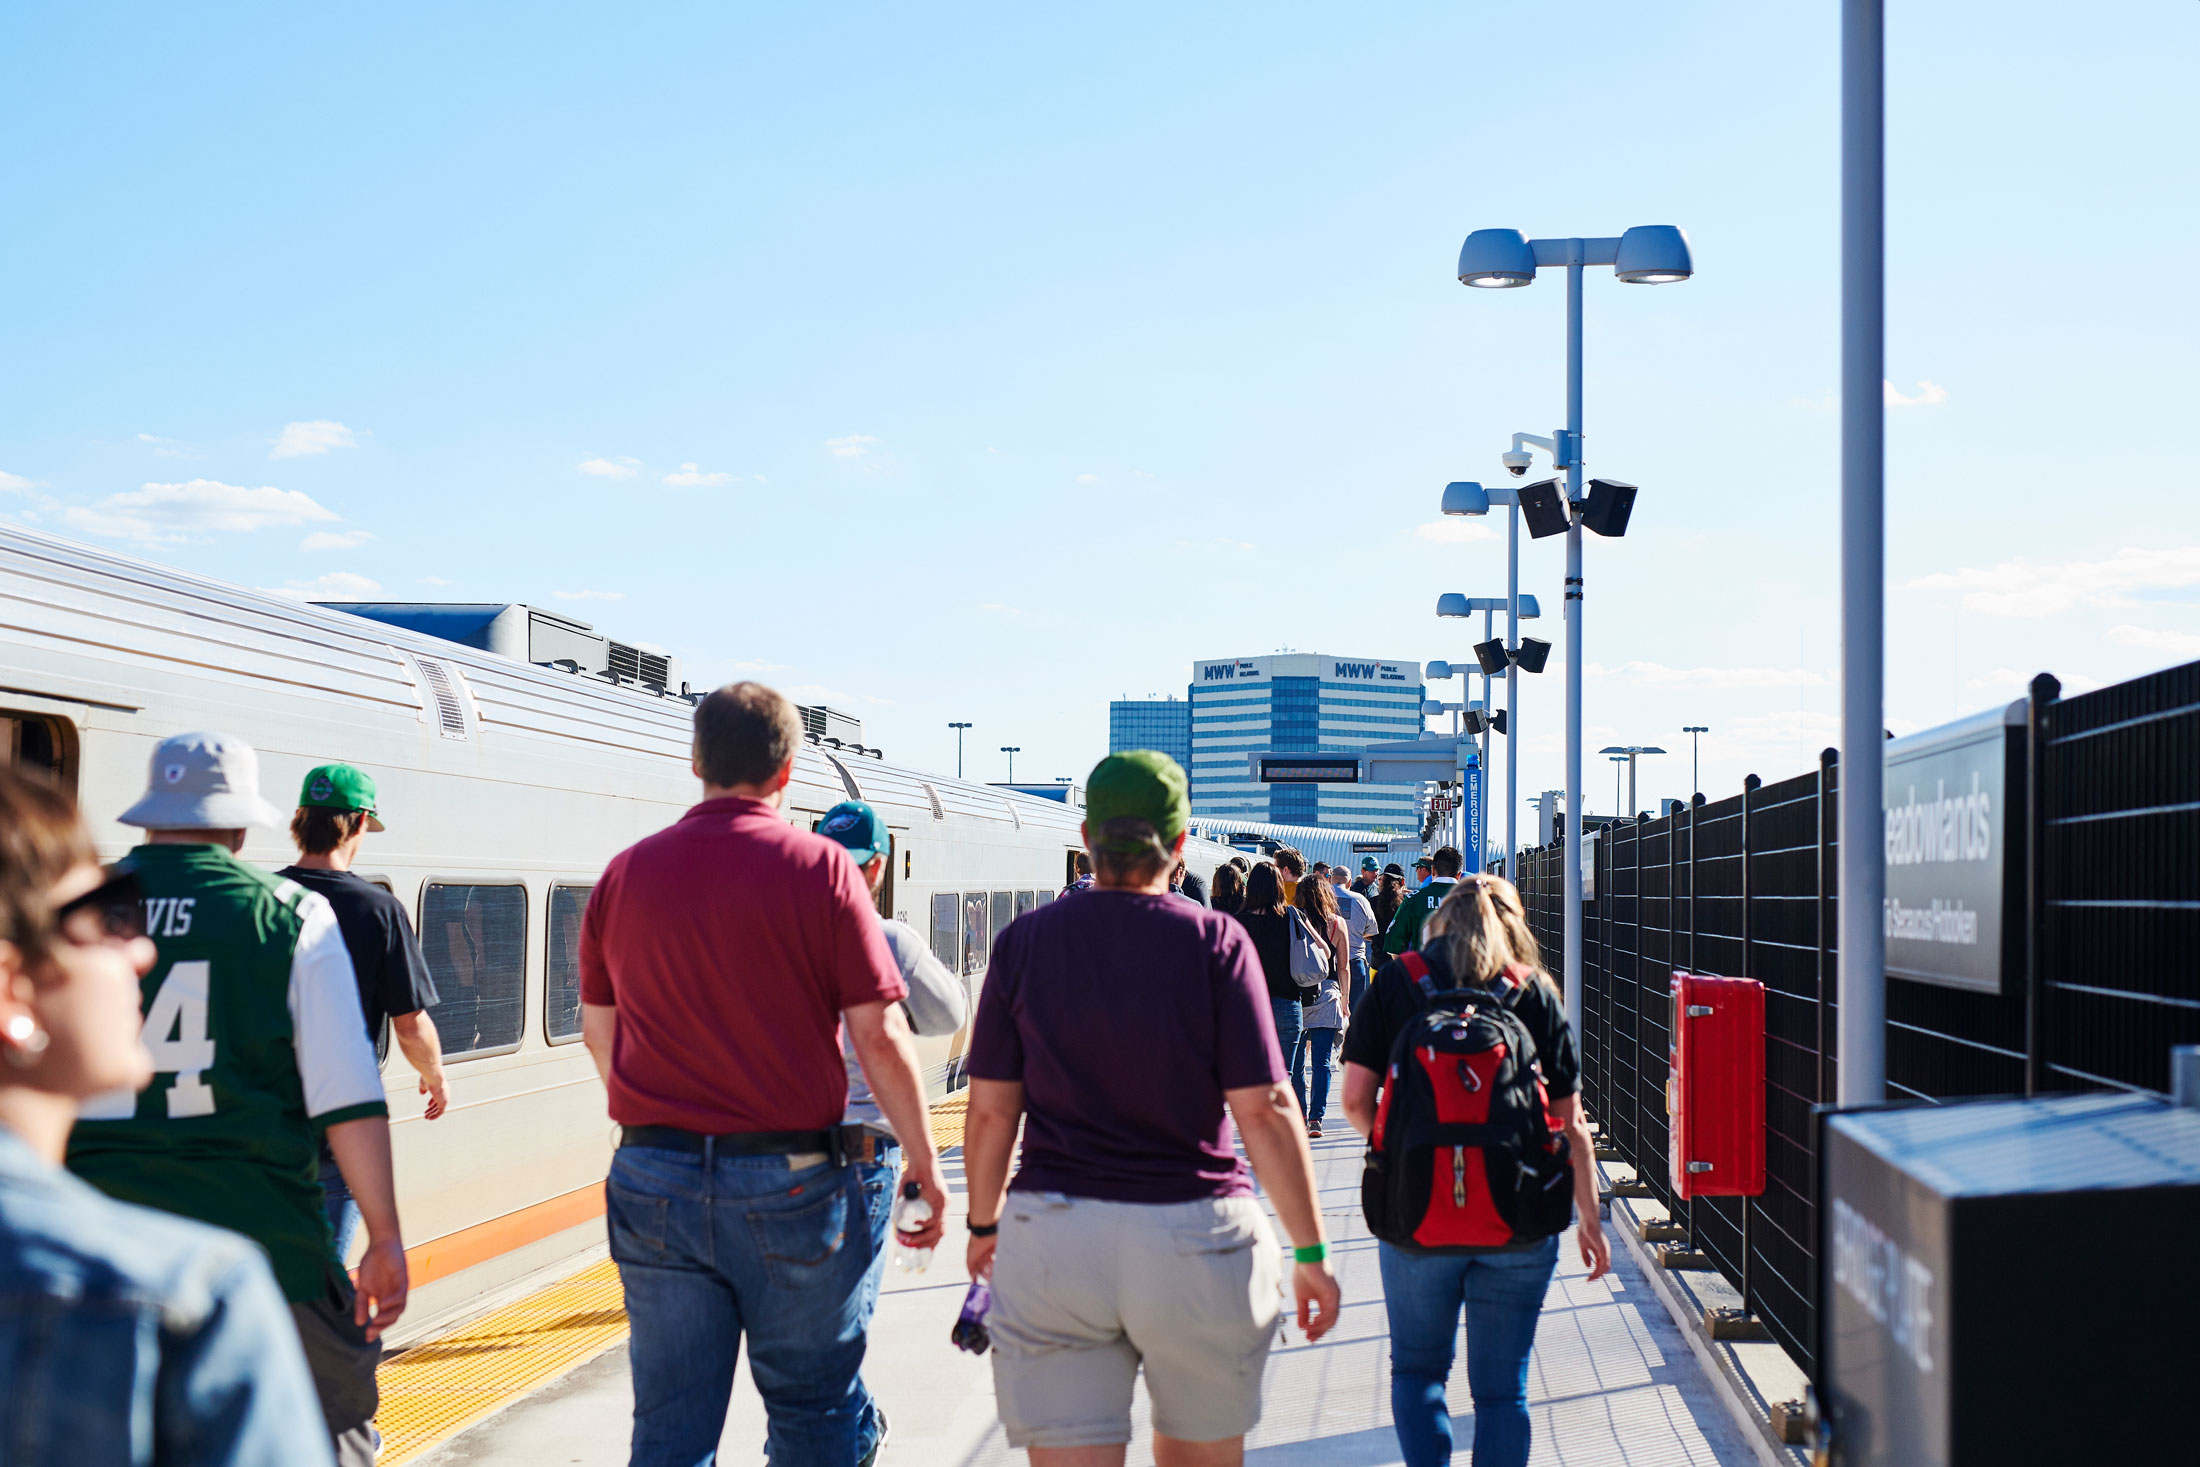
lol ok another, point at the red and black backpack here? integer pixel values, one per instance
(1465, 1157)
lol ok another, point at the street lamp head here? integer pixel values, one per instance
(1653, 254)
(1529, 611)
(1438, 671)
(1496, 259)
(1452, 603)
(1466, 497)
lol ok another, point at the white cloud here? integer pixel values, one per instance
(692, 475)
(335, 539)
(589, 595)
(168, 514)
(2021, 588)
(433, 581)
(17, 481)
(2154, 639)
(2000, 677)
(166, 447)
(304, 440)
(1929, 394)
(998, 608)
(1142, 473)
(1454, 530)
(1701, 679)
(1088, 478)
(335, 586)
(852, 445)
(610, 468)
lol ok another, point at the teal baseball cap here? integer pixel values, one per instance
(854, 824)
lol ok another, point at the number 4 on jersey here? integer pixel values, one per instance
(175, 1033)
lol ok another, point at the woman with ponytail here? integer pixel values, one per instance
(1478, 938)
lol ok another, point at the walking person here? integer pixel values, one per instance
(1266, 919)
(1479, 938)
(1126, 1031)
(719, 960)
(1081, 879)
(260, 1055)
(1362, 929)
(1185, 882)
(1291, 866)
(1369, 878)
(1389, 896)
(336, 811)
(132, 1338)
(936, 1006)
(1404, 931)
(1228, 892)
(1323, 1021)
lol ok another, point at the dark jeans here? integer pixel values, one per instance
(343, 1213)
(1503, 1296)
(1289, 1019)
(713, 1249)
(878, 1179)
(1359, 978)
(343, 1361)
(1314, 1048)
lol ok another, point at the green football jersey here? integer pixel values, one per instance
(253, 1020)
(1404, 932)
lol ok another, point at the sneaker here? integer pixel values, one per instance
(878, 1443)
(1313, 1130)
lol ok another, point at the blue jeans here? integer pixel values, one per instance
(713, 1248)
(1314, 1047)
(343, 1213)
(877, 1178)
(1289, 1019)
(1503, 1296)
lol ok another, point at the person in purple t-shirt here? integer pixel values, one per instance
(1126, 1029)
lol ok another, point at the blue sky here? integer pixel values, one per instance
(987, 362)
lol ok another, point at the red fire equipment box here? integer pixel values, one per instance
(1715, 1092)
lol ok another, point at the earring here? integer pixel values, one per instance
(26, 1042)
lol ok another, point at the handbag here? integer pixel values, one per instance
(1310, 962)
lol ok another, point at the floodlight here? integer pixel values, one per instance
(1464, 496)
(1452, 603)
(1491, 655)
(1438, 671)
(1649, 254)
(1497, 720)
(1532, 654)
(1499, 258)
(1473, 721)
(1543, 506)
(1609, 504)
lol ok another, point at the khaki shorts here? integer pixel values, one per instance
(1086, 1291)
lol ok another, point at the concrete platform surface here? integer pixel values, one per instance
(1613, 1383)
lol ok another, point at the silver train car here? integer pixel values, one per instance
(506, 786)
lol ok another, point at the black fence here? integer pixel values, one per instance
(1744, 886)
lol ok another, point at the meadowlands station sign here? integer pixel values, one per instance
(1954, 798)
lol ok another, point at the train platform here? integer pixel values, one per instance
(543, 1383)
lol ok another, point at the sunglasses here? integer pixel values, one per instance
(118, 902)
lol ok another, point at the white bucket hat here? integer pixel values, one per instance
(202, 781)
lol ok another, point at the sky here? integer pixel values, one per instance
(987, 362)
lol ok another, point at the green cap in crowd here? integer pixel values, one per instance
(340, 787)
(1141, 784)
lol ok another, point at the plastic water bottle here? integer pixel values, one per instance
(911, 1213)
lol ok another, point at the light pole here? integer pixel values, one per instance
(1648, 254)
(1476, 720)
(1695, 756)
(1617, 761)
(1629, 752)
(958, 728)
(1012, 750)
(1491, 654)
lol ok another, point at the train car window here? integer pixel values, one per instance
(947, 929)
(1069, 868)
(34, 741)
(1004, 911)
(561, 985)
(977, 933)
(1045, 897)
(475, 940)
(1026, 901)
(884, 897)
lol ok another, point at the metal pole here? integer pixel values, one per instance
(1863, 884)
(1629, 812)
(1573, 636)
(1512, 688)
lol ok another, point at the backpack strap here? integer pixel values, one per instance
(1416, 968)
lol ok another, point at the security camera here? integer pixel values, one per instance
(1516, 462)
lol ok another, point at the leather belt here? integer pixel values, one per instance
(840, 1145)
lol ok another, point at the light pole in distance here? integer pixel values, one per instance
(1617, 761)
(1629, 752)
(1695, 756)
(958, 728)
(1012, 750)
(1648, 254)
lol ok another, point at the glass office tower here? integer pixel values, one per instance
(1300, 703)
(1152, 723)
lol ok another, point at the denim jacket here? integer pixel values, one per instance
(130, 1337)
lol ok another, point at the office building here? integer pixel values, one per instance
(1152, 723)
(1300, 703)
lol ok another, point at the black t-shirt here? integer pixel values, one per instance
(1393, 1000)
(385, 957)
(1194, 887)
(1271, 934)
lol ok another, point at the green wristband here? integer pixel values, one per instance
(1311, 1253)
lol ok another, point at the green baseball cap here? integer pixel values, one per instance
(854, 824)
(1367, 863)
(1144, 785)
(340, 787)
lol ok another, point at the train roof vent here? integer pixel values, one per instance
(447, 694)
(939, 811)
(632, 664)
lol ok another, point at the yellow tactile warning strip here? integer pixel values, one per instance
(435, 1390)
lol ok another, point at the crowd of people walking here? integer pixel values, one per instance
(192, 1122)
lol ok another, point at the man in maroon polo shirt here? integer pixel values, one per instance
(718, 960)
